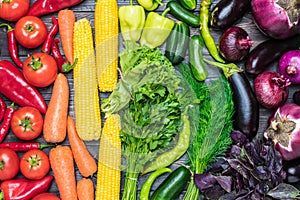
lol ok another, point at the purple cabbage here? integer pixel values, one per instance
(249, 170)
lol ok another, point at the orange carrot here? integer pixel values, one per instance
(85, 189)
(86, 164)
(66, 20)
(62, 165)
(55, 122)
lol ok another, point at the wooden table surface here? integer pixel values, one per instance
(86, 9)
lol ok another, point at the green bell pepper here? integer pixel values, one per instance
(156, 30)
(132, 20)
(150, 5)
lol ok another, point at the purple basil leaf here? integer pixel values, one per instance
(225, 182)
(204, 181)
(238, 137)
(235, 151)
(235, 164)
(284, 191)
(215, 192)
(262, 188)
(261, 173)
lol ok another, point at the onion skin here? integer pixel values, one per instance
(289, 66)
(288, 112)
(235, 44)
(271, 89)
(273, 20)
(227, 12)
(268, 52)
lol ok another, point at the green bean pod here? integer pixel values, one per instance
(145, 190)
(179, 149)
(197, 63)
(177, 42)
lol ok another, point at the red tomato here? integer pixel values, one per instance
(34, 164)
(30, 31)
(13, 10)
(27, 123)
(9, 164)
(40, 69)
(46, 195)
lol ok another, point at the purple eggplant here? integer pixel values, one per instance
(246, 118)
(226, 12)
(268, 52)
(284, 130)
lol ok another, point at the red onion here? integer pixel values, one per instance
(277, 18)
(289, 66)
(271, 89)
(235, 44)
(284, 130)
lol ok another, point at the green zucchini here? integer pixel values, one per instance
(173, 185)
(197, 63)
(177, 42)
(182, 14)
(188, 4)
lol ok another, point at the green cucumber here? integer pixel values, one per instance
(182, 14)
(188, 4)
(173, 185)
(177, 42)
(197, 63)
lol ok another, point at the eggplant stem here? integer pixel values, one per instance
(228, 68)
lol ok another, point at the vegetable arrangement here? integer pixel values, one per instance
(164, 114)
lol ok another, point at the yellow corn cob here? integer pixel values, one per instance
(106, 39)
(86, 94)
(109, 174)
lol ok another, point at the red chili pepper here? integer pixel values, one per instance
(12, 45)
(2, 108)
(43, 7)
(15, 87)
(25, 146)
(4, 128)
(46, 48)
(62, 63)
(23, 189)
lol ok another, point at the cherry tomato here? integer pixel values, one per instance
(13, 10)
(34, 164)
(30, 31)
(9, 164)
(46, 195)
(27, 123)
(40, 69)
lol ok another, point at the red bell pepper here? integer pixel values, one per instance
(44, 7)
(23, 189)
(15, 87)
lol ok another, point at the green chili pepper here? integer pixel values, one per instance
(208, 39)
(150, 5)
(180, 148)
(156, 30)
(132, 20)
(144, 194)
